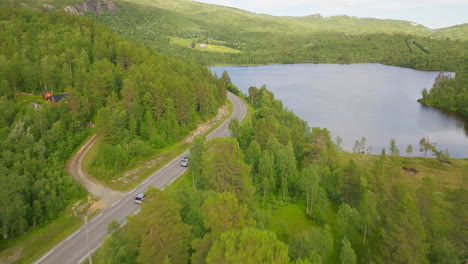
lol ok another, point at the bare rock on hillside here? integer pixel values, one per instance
(72, 10)
(48, 8)
(93, 6)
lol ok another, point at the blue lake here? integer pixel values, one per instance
(375, 101)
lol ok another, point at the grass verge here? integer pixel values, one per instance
(28, 248)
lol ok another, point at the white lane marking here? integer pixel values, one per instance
(45, 256)
(72, 235)
(99, 215)
(116, 203)
(136, 212)
(146, 181)
(90, 253)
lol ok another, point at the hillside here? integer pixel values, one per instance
(218, 15)
(188, 14)
(212, 35)
(458, 32)
(62, 74)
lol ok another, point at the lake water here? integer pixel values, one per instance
(355, 100)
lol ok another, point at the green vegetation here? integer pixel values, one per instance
(27, 249)
(312, 203)
(236, 37)
(202, 46)
(279, 191)
(263, 39)
(139, 100)
(448, 93)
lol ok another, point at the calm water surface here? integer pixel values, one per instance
(355, 100)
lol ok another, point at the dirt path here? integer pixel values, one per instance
(106, 195)
(74, 166)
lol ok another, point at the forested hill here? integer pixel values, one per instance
(219, 15)
(232, 36)
(213, 35)
(139, 101)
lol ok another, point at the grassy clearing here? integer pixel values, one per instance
(29, 98)
(445, 176)
(209, 47)
(289, 220)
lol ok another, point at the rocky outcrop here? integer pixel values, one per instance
(72, 10)
(93, 6)
(48, 8)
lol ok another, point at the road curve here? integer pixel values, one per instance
(77, 247)
(75, 168)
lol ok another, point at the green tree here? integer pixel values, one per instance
(226, 78)
(425, 144)
(196, 155)
(158, 230)
(311, 188)
(348, 221)
(394, 151)
(369, 214)
(359, 145)
(404, 239)
(224, 169)
(347, 255)
(409, 150)
(313, 244)
(253, 93)
(248, 246)
(266, 173)
(116, 248)
(443, 252)
(223, 212)
(350, 184)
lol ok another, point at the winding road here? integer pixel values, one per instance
(77, 247)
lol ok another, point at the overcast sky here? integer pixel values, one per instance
(430, 13)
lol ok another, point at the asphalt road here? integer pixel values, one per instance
(77, 247)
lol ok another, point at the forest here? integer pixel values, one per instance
(267, 39)
(137, 99)
(280, 191)
(335, 209)
(311, 39)
(448, 93)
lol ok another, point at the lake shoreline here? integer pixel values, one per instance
(358, 100)
(421, 101)
(336, 63)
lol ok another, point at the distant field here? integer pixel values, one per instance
(208, 47)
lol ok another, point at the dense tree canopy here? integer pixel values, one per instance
(138, 99)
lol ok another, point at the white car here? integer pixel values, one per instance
(184, 162)
(139, 198)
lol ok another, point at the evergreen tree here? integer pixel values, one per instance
(404, 240)
(158, 231)
(248, 246)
